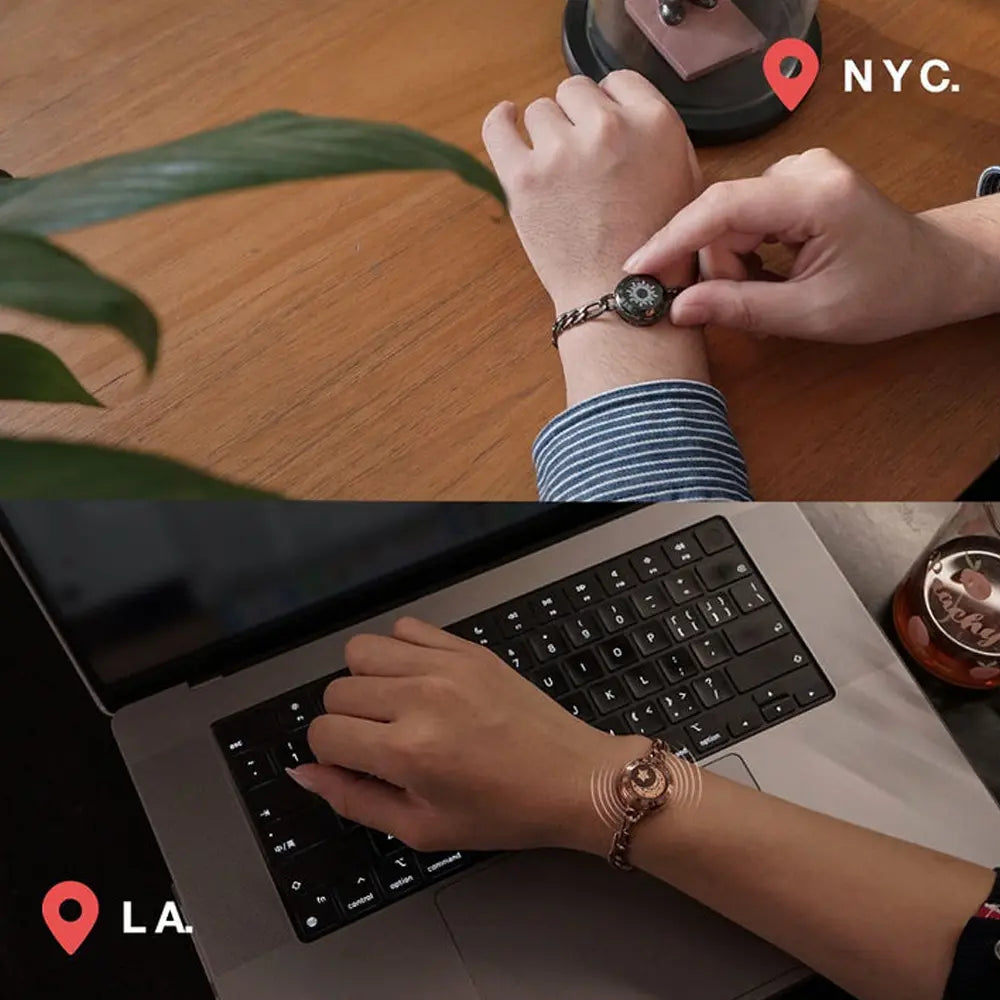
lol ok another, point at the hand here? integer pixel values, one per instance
(864, 270)
(607, 165)
(440, 743)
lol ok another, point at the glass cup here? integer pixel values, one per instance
(947, 611)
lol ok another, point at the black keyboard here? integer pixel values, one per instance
(679, 639)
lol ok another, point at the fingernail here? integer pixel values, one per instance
(303, 780)
(689, 315)
(632, 264)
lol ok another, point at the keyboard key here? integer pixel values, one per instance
(278, 799)
(292, 752)
(548, 605)
(340, 856)
(649, 601)
(357, 891)
(649, 563)
(685, 623)
(283, 838)
(645, 720)
(679, 705)
(767, 664)
(679, 748)
(548, 644)
(244, 732)
(706, 735)
(578, 705)
(301, 878)
(294, 712)
(514, 620)
(398, 875)
(608, 696)
(723, 569)
(749, 595)
(642, 681)
(651, 639)
(515, 654)
(583, 667)
(616, 577)
(716, 610)
(616, 615)
(550, 680)
(481, 629)
(714, 536)
(744, 719)
(713, 690)
(677, 666)
(319, 824)
(441, 863)
(583, 591)
(682, 549)
(807, 686)
(770, 692)
(777, 709)
(756, 629)
(316, 912)
(252, 768)
(710, 651)
(683, 586)
(617, 653)
(385, 844)
(583, 629)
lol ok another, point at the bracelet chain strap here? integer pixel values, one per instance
(576, 317)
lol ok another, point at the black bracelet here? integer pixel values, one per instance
(639, 299)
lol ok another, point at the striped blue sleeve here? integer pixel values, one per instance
(668, 440)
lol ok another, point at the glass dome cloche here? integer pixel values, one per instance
(706, 56)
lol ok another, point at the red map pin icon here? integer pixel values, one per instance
(70, 933)
(791, 91)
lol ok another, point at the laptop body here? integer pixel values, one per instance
(869, 750)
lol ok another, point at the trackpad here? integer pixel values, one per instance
(556, 924)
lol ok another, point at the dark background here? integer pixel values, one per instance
(68, 809)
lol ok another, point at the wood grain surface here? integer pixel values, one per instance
(384, 337)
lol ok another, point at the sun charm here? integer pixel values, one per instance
(642, 301)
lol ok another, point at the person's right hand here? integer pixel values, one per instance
(864, 270)
(439, 742)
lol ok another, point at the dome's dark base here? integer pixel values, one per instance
(730, 124)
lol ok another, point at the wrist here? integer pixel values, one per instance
(964, 241)
(608, 353)
(585, 823)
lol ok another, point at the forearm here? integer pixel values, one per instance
(967, 236)
(878, 916)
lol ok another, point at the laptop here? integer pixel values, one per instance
(207, 633)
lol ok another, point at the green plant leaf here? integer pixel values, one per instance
(38, 277)
(61, 470)
(270, 148)
(31, 372)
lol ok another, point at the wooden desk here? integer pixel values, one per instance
(384, 337)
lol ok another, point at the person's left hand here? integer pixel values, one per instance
(607, 166)
(439, 742)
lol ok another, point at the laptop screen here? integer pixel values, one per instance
(148, 593)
